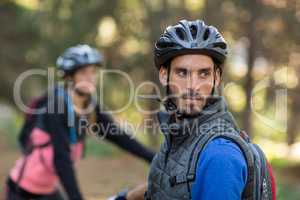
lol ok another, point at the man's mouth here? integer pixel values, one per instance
(192, 98)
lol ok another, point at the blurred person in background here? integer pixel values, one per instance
(53, 141)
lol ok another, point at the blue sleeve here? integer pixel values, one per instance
(221, 172)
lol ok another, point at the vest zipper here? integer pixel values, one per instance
(169, 146)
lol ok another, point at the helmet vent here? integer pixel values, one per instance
(193, 30)
(163, 45)
(222, 45)
(180, 33)
(206, 34)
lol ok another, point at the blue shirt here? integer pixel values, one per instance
(221, 172)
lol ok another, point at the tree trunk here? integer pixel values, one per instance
(246, 121)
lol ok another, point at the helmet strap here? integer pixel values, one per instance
(214, 86)
(214, 89)
(169, 103)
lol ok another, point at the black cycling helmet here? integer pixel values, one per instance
(77, 57)
(190, 37)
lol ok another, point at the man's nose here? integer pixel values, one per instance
(192, 82)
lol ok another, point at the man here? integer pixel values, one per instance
(51, 145)
(190, 58)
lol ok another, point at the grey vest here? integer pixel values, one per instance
(173, 170)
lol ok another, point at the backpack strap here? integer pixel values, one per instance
(30, 121)
(243, 145)
(70, 112)
(192, 165)
(24, 163)
(265, 180)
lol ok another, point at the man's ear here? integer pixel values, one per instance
(163, 76)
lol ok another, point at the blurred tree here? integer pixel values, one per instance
(18, 38)
(127, 30)
(270, 28)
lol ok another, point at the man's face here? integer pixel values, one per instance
(191, 80)
(85, 79)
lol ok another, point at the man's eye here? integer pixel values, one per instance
(181, 73)
(204, 74)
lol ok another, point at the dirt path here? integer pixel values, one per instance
(99, 177)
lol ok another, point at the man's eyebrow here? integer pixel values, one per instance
(181, 68)
(205, 69)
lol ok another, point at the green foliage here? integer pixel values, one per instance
(10, 128)
(287, 192)
(98, 148)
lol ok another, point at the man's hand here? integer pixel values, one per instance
(137, 193)
(134, 194)
(121, 196)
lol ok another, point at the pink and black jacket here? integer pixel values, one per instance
(50, 150)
